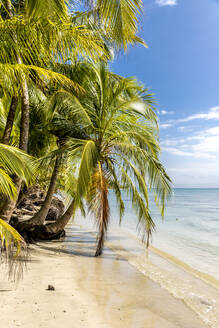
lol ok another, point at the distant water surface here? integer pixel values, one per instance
(185, 258)
(189, 231)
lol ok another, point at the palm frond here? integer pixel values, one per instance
(89, 160)
(46, 9)
(13, 250)
(120, 20)
(116, 187)
(7, 187)
(145, 222)
(15, 161)
(12, 75)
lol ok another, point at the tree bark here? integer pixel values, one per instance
(10, 121)
(40, 216)
(63, 220)
(25, 117)
(8, 6)
(10, 204)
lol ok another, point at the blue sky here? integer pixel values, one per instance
(181, 66)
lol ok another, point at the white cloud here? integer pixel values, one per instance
(175, 142)
(194, 160)
(197, 137)
(181, 128)
(166, 2)
(179, 152)
(168, 143)
(214, 130)
(213, 114)
(201, 145)
(165, 126)
(164, 112)
(207, 141)
(196, 174)
(208, 144)
(185, 129)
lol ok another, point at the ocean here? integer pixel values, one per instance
(189, 230)
(184, 254)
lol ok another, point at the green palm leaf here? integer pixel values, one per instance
(17, 162)
(13, 250)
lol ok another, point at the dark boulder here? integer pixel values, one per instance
(32, 199)
(53, 214)
(30, 204)
(57, 209)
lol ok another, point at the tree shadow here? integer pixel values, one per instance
(85, 252)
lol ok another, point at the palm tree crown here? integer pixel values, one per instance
(121, 147)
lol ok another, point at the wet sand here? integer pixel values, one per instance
(89, 292)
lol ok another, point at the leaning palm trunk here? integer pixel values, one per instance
(40, 216)
(99, 205)
(63, 220)
(102, 221)
(10, 121)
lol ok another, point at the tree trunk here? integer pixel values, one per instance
(10, 204)
(25, 119)
(8, 6)
(100, 244)
(40, 216)
(63, 220)
(10, 121)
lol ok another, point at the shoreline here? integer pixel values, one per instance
(175, 276)
(89, 292)
(207, 278)
(198, 294)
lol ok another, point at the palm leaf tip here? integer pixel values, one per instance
(13, 251)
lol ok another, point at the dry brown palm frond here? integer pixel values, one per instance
(99, 204)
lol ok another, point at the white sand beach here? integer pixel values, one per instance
(89, 292)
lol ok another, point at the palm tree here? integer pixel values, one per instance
(58, 116)
(12, 246)
(121, 149)
(23, 58)
(35, 19)
(47, 141)
(119, 20)
(26, 53)
(14, 161)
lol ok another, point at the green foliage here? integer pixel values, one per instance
(104, 125)
(122, 140)
(14, 162)
(13, 250)
(120, 20)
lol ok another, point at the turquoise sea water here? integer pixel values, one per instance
(185, 257)
(189, 231)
